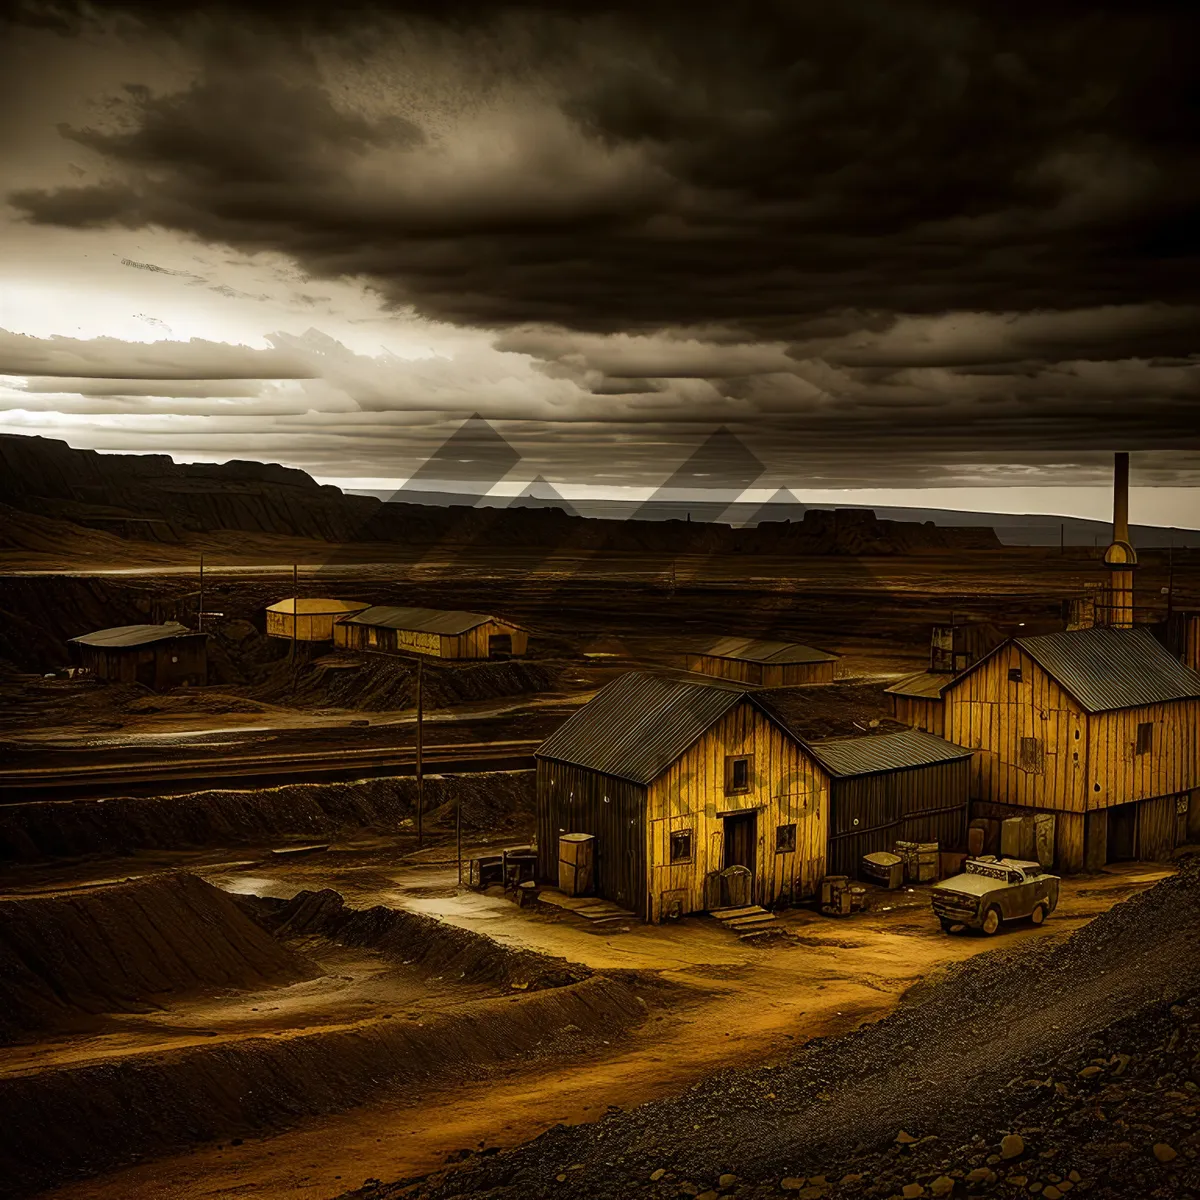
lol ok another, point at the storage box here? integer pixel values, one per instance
(576, 854)
(883, 868)
(921, 861)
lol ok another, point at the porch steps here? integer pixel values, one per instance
(747, 921)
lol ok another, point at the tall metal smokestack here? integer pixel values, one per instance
(1120, 498)
(1120, 556)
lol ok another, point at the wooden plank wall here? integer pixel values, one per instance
(1120, 775)
(572, 799)
(986, 712)
(475, 642)
(724, 668)
(787, 788)
(796, 674)
(929, 715)
(868, 813)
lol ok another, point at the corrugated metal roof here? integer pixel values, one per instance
(426, 620)
(123, 636)
(639, 725)
(758, 650)
(885, 752)
(303, 605)
(1106, 669)
(924, 685)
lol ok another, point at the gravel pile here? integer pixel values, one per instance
(1083, 1053)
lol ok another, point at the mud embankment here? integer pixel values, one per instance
(128, 947)
(139, 1104)
(41, 830)
(415, 940)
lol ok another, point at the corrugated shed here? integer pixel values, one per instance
(758, 650)
(885, 752)
(1107, 669)
(924, 685)
(316, 606)
(426, 620)
(123, 636)
(639, 724)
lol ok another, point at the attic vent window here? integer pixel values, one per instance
(681, 846)
(1031, 755)
(1145, 737)
(738, 773)
(1014, 674)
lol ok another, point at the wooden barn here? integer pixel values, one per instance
(916, 700)
(907, 786)
(439, 633)
(677, 781)
(309, 620)
(759, 663)
(157, 656)
(1099, 726)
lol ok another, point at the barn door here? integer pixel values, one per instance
(741, 841)
(1122, 833)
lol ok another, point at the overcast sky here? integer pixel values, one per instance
(887, 245)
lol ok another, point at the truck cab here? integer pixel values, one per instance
(993, 890)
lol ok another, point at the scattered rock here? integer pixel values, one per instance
(1012, 1146)
(793, 1183)
(1164, 1153)
(656, 1175)
(727, 1180)
(904, 1138)
(943, 1185)
(911, 1191)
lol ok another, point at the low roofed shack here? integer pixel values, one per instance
(309, 620)
(907, 786)
(439, 633)
(156, 656)
(759, 662)
(916, 700)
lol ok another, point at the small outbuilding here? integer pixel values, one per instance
(157, 656)
(309, 620)
(908, 786)
(916, 700)
(759, 663)
(678, 781)
(439, 633)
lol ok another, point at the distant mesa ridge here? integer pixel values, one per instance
(150, 497)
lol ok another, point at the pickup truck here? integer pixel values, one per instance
(993, 890)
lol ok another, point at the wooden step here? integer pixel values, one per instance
(724, 914)
(750, 923)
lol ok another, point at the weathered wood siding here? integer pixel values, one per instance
(786, 788)
(868, 813)
(1118, 774)
(987, 712)
(929, 715)
(160, 665)
(572, 799)
(760, 674)
(474, 644)
(309, 627)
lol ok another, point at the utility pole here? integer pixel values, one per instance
(420, 772)
(1170, 573)
(1062, 538)
(458, 833)
(295, 621)
(200, 611)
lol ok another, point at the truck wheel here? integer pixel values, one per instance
(991, 921)
(947, 924)
(1039, 914)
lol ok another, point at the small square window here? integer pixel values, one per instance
(1031, 755)
(739, 772)
(1145, 737)
(681, 846)
(1014, 674)
(785, 839)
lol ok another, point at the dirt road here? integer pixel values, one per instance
(732, 1005)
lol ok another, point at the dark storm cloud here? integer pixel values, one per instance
(747, 167)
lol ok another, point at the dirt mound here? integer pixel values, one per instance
(65, 958)
(950, 1065)
(435, 947)
(494, 800)
(381, 683)
(158, 1103)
